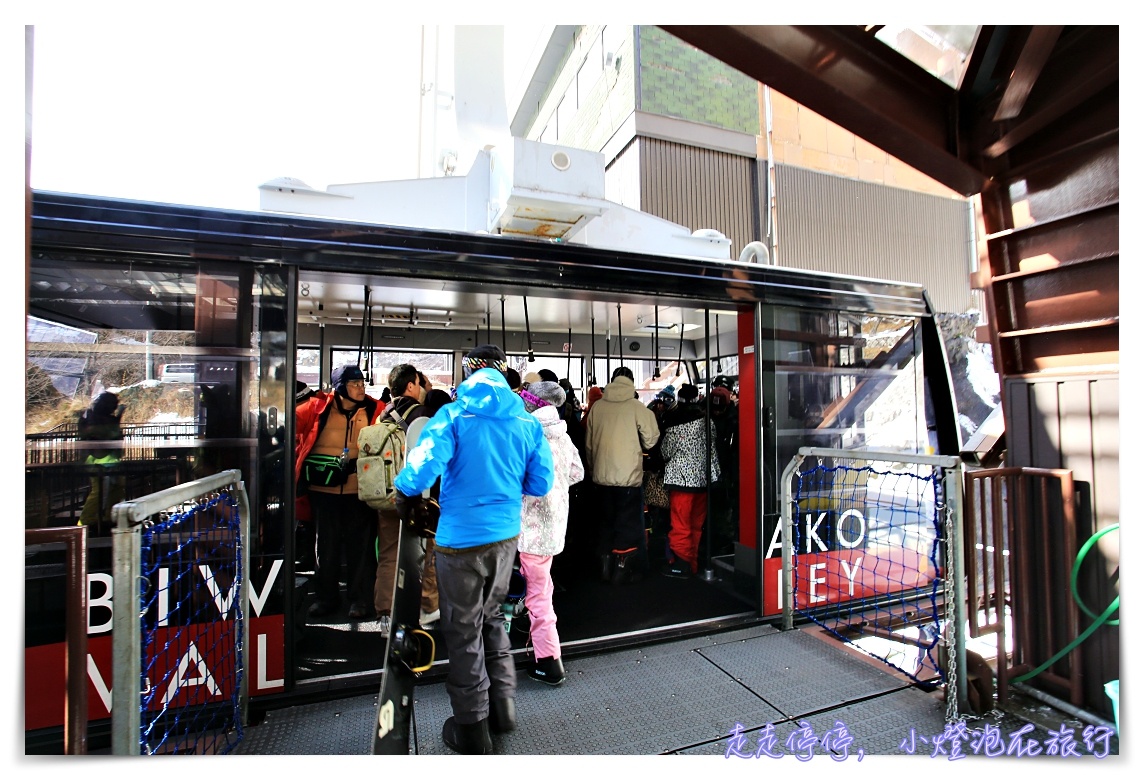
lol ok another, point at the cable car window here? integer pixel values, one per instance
(437, 366)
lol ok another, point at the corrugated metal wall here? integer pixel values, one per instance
(1073, 423)
(830, 223)
(1069, 423)
(700, 188)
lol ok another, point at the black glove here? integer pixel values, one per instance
(423, 518)
(405, 505)
(418, 514)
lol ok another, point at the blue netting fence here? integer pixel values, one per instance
(869, 559)
(189, 625)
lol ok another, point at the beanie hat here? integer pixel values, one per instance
(667, 394)
(302, 391)
(436, 398)
(688, 393)
(548, 375)
(484, 356)
(569, 393)
(595, 394)
(531, 402)
(720, 398)
(531, 377)
(512, 376)
(550, 392)
(343, 375)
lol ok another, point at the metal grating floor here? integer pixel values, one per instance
(683, 696)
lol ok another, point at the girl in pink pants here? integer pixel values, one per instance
(543, 523)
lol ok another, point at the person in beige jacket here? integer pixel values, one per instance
(620, 429)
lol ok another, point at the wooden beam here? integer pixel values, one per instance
(1034, 54)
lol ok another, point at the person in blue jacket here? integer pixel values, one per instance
(488, 452)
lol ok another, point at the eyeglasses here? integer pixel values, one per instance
(356, 383)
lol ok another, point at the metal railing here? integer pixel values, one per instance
(140, 442)
(75, 630)
(180, 632)
(882, 552)
(1023, 597)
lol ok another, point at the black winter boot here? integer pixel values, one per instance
(547, 670)
(502, 715)
(468, 739)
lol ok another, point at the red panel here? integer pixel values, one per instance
(45, 684)
(841, 575)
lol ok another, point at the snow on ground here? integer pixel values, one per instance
(983, 376)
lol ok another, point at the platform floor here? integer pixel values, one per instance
(682, 697)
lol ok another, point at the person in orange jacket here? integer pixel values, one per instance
(328, 425)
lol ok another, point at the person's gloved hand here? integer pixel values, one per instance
(423, 518)
(405, 505)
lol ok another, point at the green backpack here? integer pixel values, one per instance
(381, 456)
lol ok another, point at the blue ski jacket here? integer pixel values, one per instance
(488, 452)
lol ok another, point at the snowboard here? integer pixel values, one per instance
(410, 650)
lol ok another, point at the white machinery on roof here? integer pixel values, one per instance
(513, 186)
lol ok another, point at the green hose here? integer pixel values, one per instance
(1100, 620)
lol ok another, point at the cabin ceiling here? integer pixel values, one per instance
(340, 299)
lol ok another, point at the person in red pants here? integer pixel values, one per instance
(688, 437)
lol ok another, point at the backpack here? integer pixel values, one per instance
(381, 455)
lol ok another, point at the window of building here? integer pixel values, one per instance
(590, 71)
(566, 111)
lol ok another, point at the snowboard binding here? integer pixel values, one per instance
(413, 648)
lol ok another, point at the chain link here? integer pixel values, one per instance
(950, 631)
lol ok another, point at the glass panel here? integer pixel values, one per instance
(721, 365)
(572, 370)
(173, 346)
(308, 367)
(437, 366)
(846, 380)
(942, 49)
(275, 401)
(647, 383)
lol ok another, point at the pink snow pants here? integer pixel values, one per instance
(537, 573)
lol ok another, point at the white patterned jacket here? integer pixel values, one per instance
(544, 519)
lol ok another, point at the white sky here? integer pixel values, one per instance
(203, 103)
(191, 110)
